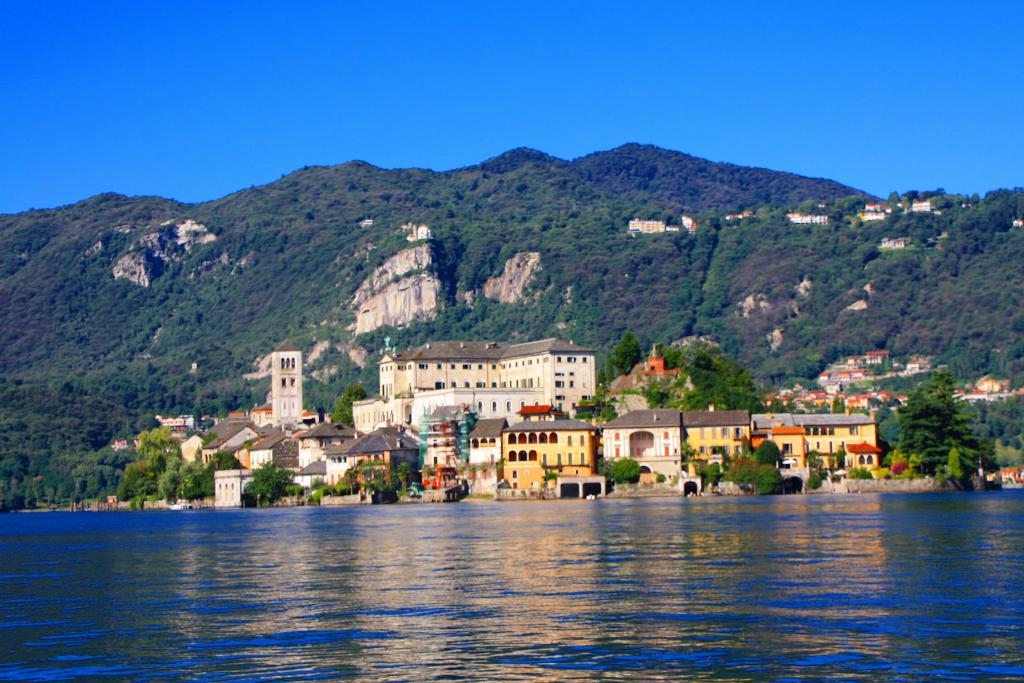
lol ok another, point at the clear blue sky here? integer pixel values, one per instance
(194, 100)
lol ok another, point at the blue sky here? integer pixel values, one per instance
(193, 100)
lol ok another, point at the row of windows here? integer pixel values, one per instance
(827, 431)
(543, 437)
(494, 366)
(287, 363)
(523, 456)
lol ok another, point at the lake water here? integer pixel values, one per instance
(797, 588)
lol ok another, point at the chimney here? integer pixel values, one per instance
(711, 407)
(427, 345)
(462, 345)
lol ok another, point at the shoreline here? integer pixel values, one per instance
(477, 499)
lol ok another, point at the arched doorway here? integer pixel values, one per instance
(792, 485)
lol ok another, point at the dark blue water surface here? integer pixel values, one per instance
(800, 588)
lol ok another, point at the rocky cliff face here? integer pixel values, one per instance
(402, 263)
(509, 287)
(406, 300)
(397, 292)
(149, 256)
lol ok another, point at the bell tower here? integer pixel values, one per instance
(286, 384)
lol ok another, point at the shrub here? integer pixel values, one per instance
(625, 471)
(769, 480)
(814, 481)
(660, 478)
(765, 479)
(859, 473)
(898, 467)
(710, 475)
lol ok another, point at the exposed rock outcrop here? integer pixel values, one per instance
(859, 305)
(149, 256)
(804, 288)
(262, 368)
(412, 298)
(775, 339)
(402, 263)
(356, 354)
(509, 287)
(754, 303)
(317, 351)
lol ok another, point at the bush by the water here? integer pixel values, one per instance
(814, 481)
(625, 471)
(859, 473)
(765, 479)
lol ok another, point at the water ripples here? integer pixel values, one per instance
(778, 589)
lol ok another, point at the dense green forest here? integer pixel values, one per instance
(288, 257)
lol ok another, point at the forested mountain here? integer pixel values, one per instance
(523, 246)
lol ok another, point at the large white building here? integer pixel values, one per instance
(286, 385)
(495, 378)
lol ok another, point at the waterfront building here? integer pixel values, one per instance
(496, 378)
(652, 437)
(228, 486)
(485, 441)
(567, 448)
(827, 434)
(387, 447)
(714, 435)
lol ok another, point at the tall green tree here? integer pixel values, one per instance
(933, 423)
(269, 484)
(625, 355)
(768, 454)
(342, 413)
(157, 447)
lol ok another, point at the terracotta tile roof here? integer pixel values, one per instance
(862, 448)
(657, 417)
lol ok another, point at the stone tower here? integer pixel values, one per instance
(286, 384)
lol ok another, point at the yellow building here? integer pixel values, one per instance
(533, 449)
(715, 435)
(827, 434)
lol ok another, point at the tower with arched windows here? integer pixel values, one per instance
(286, 384)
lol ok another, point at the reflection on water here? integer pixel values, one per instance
(794, 588)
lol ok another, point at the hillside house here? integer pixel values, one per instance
(870, 216)
(924, 206)
(637, 226)
(894, 243)
(807, 219)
